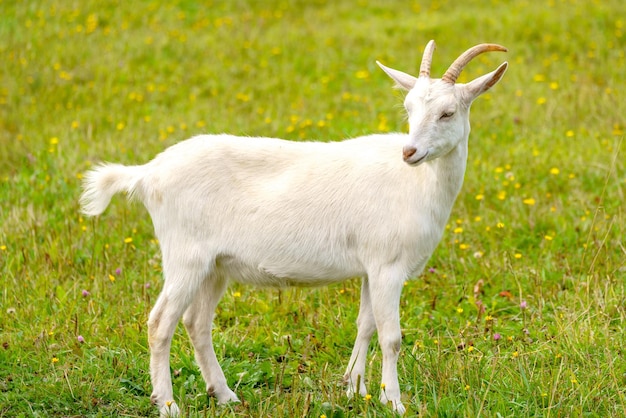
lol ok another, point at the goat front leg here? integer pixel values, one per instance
(198, 320)
(366, 326)
(385, 291)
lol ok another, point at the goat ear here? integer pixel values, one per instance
(478, 86)
(403, 80)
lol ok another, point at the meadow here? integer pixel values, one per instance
(521, 311)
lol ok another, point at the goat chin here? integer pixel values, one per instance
(271, 212)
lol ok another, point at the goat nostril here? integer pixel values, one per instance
(407, 152)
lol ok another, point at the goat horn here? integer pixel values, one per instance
(427, 59)
(457, 66)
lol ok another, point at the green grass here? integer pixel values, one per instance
(540, 220)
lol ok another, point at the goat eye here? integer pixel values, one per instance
(446, 115)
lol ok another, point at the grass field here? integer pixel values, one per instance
(537, 236)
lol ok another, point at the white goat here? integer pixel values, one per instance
(277, 213)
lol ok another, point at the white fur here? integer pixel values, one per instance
(277, 213)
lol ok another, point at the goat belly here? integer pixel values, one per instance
(279, 274)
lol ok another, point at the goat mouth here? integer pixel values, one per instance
(420, 159)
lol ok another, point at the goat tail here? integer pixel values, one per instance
(104, 181)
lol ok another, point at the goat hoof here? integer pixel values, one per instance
(399, 408)
(351, 391)
(394, 402)
(224, 397)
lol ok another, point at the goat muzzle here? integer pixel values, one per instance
(408, 152)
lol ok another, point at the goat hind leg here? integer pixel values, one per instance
(198, 320)
(177, 293)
